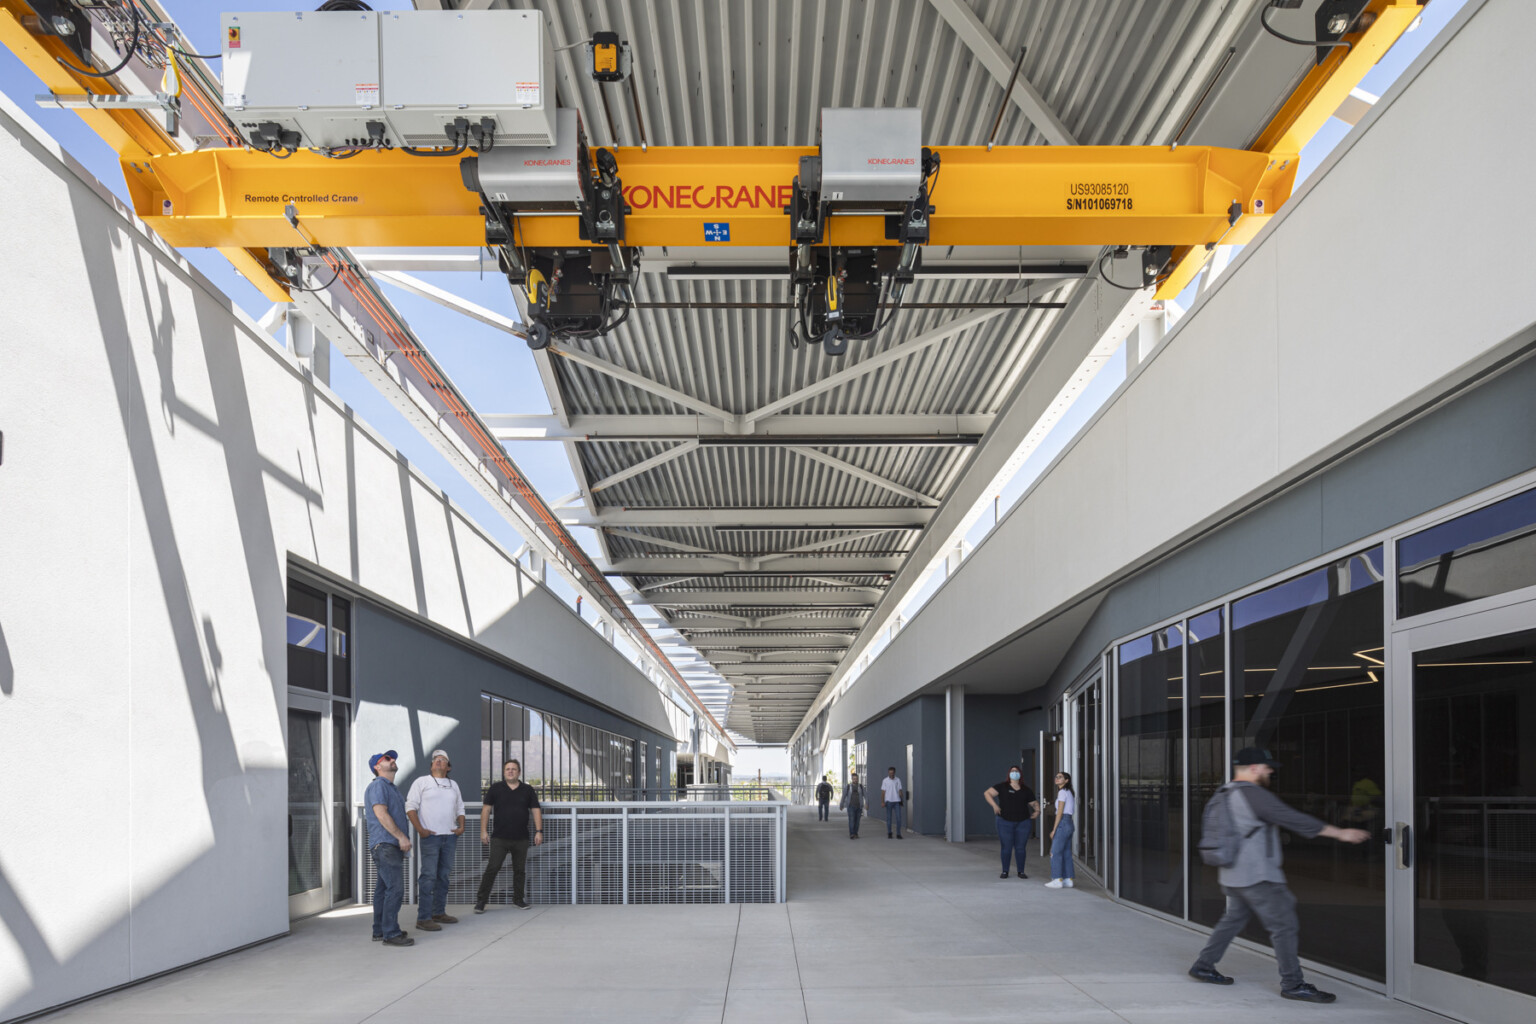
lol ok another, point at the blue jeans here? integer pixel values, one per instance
(389, 891)
(855, 812)
(821, 810)
(1061, 849)
(1014, 835)
(891, 809)
(436, 865)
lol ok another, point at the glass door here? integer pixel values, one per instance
(308, 888)
(1464, 814)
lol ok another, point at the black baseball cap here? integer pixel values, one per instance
(1254, 755)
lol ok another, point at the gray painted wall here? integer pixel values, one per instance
(1483, 436)
(418, 690)
(920, 723)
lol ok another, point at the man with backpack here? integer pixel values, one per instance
(1240, 834)
(823, 798)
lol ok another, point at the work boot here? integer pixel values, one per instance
(399, 940)
(445, 919)
(429, 925)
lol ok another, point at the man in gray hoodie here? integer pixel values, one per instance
(1254, 884)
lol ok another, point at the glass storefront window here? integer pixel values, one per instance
(1483, 553)
(341, 656)
(1307, 686)
(1207, 710)
(1151, 696)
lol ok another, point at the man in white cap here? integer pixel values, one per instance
(436, 809)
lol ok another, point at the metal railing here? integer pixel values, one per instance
(608, 794)
(625, 852)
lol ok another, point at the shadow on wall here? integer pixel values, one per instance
(7, 670)
(238, 788)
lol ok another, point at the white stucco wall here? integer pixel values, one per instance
(163, 458)
(1394, 275)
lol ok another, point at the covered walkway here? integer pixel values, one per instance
(875, 930)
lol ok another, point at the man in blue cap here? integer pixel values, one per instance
(1254, 884)
(388, 842)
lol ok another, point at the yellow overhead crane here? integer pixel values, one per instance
(1187, 198)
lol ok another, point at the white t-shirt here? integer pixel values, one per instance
(437, 803)
(1067, 801)
(892, 789)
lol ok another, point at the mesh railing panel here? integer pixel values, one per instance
(649, 852)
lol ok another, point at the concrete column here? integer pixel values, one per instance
(954, 761)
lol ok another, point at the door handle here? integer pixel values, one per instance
(1404, 845)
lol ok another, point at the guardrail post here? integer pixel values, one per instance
(575, 865)
(624, 846)
(727, 853)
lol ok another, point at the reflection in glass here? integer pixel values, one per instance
(304, 806)
(1486, 552)
(306, 638)
(1306, 659)
(1208, 768)
(1474, 779)
(533, 760)
(487, 755)
(1151, 715)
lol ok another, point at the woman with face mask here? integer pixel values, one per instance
(1016, 807)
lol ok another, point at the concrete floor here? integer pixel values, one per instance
(875, 930)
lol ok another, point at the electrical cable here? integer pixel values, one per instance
(199, 56)
(133, 51)
(321, 288)
(1115, 284)
(1264, 20)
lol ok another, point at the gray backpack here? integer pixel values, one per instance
(1219, 837)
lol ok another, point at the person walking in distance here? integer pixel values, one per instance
(853, 802)
(1016, 807)
(890, 789)
(436, 808)
(1253, 882)
(1061, 834)
(511, 802)
(388, 843)
(823, 798)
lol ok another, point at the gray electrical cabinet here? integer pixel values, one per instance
(330, 75)
(871, 157)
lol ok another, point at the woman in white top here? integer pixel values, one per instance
(1061, 834)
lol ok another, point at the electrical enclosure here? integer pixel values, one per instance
(871, 157)
(327, 75)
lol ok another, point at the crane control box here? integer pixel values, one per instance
(358, 80)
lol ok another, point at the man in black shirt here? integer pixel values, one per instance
(1016, 806)
(823, 798)
(509, 801)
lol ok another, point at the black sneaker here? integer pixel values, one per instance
(898, 835)
(1308, 994)
(479, 908)
(887, 835)
(1023, 875)
(520, 904)
(1210, 975)
(399, 940)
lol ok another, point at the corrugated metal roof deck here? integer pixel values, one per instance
(757, 72)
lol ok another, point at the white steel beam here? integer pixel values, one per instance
(849, 429)
(645, 466)
(999, 64)
(760, 599)
(808, 518)
(897, 353)
(859, 473)
(445, 298)
(642, 382)
(680, 565)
